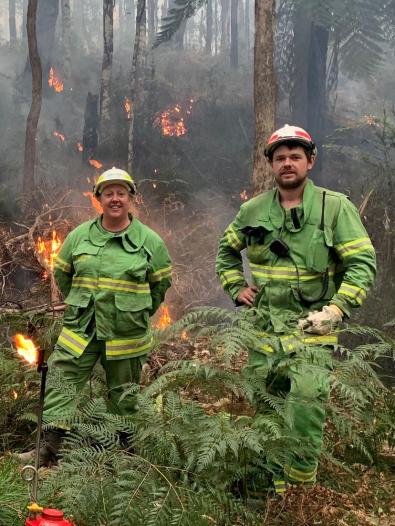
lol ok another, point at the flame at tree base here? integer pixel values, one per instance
(165, 318)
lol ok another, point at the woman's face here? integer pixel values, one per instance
(115, 201)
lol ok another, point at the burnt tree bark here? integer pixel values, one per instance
(264, 91)
(91, 125)
(35, 108)
(47, 16)
(66, 38)
(11, 21)
(106, 71)
(209, 27)
(225, 12)
(234, 35)
(137, 76)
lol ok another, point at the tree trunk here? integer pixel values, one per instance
(151, 22)
(136, 77)
(264, 91)
(91, 124)
(216, 27)
(234, 35)
(11, 21)
(35, 108)
(106, 71)
(47, 16)
(247, 27)
(209, 30)
(66, 38)
(24, 19)
(225, 12)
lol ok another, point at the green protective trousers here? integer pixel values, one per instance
(306, 390)
(75, 372)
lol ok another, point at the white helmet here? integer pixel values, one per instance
(114, 176)
(292, 134)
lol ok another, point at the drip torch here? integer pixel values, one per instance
(38, 516)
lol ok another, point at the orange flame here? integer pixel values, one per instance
(184, 335)
(49, 248)
(26, 349)
(171, 121)
(54, 81)
(14, 394)
(165, 318)
(94, 202)
(128, 106)
(79, 147)
(59, 135)
(95, 164)
(244, 195)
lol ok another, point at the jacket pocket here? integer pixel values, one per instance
(317, 254)
(78, 297)
(138, 265)
(132, 314)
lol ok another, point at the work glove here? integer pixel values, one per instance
(321, 322)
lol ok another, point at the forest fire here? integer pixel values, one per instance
(96, 164)
(171, 121)
(79, 147)
(26, 348)
(244, 195)
(128, 106)
(165, 318)
(94, 202)
(59, 135)
(49, 249)
(54, 80)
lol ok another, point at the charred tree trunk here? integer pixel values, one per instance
(35, 108)
(11, 21)
(106, 71)
(225, 12)
(47, 16)
(234, 35)
(136, 77)
(66, 38)
(209, 27)
(91, 124)
(264, 91)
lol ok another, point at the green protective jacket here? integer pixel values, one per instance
(331, 258)
(112, 283)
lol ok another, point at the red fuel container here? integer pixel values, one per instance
(49, 517)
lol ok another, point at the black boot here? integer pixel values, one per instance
(50, 445)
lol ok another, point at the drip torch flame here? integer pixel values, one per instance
(128, 106)
(59, 135)
(165, 318)
(25, 348)
(95, 164)
(54, 81)
(79, 147)
(49, 248)
(94, 202)
(244, 195)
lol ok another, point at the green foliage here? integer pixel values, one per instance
(183, 10)
(13, 494)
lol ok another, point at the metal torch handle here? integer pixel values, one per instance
(43, 368)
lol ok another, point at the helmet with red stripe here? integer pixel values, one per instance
(290, 134)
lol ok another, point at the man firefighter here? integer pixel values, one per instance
(113, 273)
(311, 262)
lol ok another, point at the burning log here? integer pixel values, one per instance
(54, 81)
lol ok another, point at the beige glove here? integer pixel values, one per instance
(323, 321)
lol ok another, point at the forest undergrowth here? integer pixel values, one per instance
(193, 454)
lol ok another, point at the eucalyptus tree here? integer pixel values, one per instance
(106, 70)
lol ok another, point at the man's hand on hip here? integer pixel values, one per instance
(247, 295)
(323, 321)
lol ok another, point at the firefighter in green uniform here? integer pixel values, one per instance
(311, 262)
(113, 273)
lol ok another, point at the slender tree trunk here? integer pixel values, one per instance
(234, 38)
(11, 21)
(225, 12)
(66, 38)
(47, 16)
(35, 108)
(209, 31)
(106, 71)
(264, 91)
(24, 19)
(216, 27)
(151, 21)
(136, 77)
(247, 27)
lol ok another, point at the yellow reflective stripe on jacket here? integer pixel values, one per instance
(128, 347)
(298, 475)
(280, 486)
(69, 340)
(233, 239)
(61, 264)
(356, 293)
(291, 342)
(284, 273)
(162, 273)
(231, 276)
(111, 284)
(353, 247)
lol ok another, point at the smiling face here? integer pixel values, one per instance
(115, 200)
(290, 166)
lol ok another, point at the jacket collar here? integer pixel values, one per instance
(132, 238)
(277, 213)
